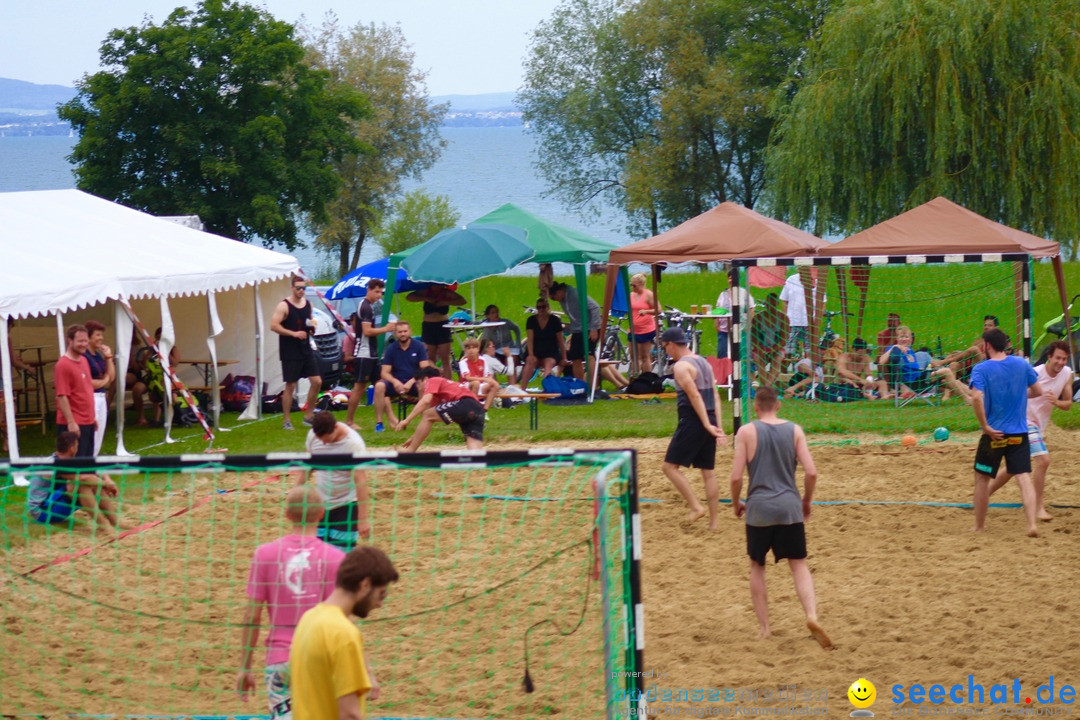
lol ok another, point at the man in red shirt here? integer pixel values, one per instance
(74, 391)
(442, 399)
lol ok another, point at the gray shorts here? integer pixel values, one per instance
(279, 697)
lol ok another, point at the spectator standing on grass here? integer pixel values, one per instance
(75, 391)
(568, 298)
(366, 366)
(330, 678)
(293, 322)
(768, 448)
(102, 375)
(288, 577)
(345, 489)
(723, 321)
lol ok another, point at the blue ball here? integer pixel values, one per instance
(941, 434)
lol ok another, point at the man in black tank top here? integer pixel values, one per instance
(775, 513)
(694, 441)
(292, 321)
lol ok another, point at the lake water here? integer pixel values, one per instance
(481, 169)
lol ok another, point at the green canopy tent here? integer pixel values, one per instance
(550, 241)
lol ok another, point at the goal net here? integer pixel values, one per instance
(879, 345)
(506, 559)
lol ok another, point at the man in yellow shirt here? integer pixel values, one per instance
(326, 663)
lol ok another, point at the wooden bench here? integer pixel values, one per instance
(534, 406)
(652, 396)
(24, 422)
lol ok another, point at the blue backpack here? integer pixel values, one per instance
(566, 387)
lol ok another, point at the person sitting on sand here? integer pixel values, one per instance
(53, 498)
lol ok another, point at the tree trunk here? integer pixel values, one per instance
(360, 237)
(343, 258)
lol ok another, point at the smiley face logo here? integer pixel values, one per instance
(862, 693)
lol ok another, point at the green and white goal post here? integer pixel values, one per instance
(513, 565)
(943, 299)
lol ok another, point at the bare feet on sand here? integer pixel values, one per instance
(1044, 515)
(819, 635)
(695, 514)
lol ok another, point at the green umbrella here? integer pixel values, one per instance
(468, 253)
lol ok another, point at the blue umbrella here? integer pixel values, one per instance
(355, 283)
(469, 253)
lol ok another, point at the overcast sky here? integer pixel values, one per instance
(466, 46)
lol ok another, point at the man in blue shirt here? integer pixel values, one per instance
(1000, 387)
(401, 360)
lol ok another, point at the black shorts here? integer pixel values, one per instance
(85, 448)
(692, 445)
(305, 367)
(785, 541)
(577, 347)
(1014, 448)
(366, 370)
(467, 413)
(433, 333)
(391, 391)
(338, 527)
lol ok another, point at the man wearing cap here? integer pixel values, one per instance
(694, 441)
(853, 368)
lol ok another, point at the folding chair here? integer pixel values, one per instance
(924, 389)
(721, 368)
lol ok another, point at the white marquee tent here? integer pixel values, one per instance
(72, 256)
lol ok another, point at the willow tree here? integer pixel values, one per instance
(401, 134)
(906, 100)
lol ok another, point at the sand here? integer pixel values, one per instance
(907, 593)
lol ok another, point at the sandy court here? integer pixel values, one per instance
(908, 593)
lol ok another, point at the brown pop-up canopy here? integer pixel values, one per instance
(941, 227)
(725, 232)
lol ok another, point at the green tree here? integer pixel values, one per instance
(721, 62)
(663, 104)
(588, 101)
(906, 100)
(416, 217)
(212, 113)
(402, 129)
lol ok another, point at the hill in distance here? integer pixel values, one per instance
(30, 109)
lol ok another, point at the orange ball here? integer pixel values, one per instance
(909, 441)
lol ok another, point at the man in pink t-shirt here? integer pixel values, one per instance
(288, 577)
(448, 401)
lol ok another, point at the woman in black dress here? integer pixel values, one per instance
(545, 342)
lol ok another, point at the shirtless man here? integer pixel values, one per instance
(853, 368)
(961, 361)
(1055, 384)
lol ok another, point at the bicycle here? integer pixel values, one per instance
(827, 334)
(1056, 327)
(613, 347)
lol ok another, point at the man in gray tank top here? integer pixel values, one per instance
(769, 448)
(694, 441)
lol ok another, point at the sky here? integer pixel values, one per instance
(467, 47)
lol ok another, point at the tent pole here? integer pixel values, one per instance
(582, 281)
(1063, 296)
(624, 272)
(9, 406)
(121, 356)
(60, 341)
(735, 332)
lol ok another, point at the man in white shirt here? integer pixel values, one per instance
(794, 298)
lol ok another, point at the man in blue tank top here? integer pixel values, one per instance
(1000, 388)
(775, 513)
(694, 441)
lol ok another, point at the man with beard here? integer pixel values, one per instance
(326, 664)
